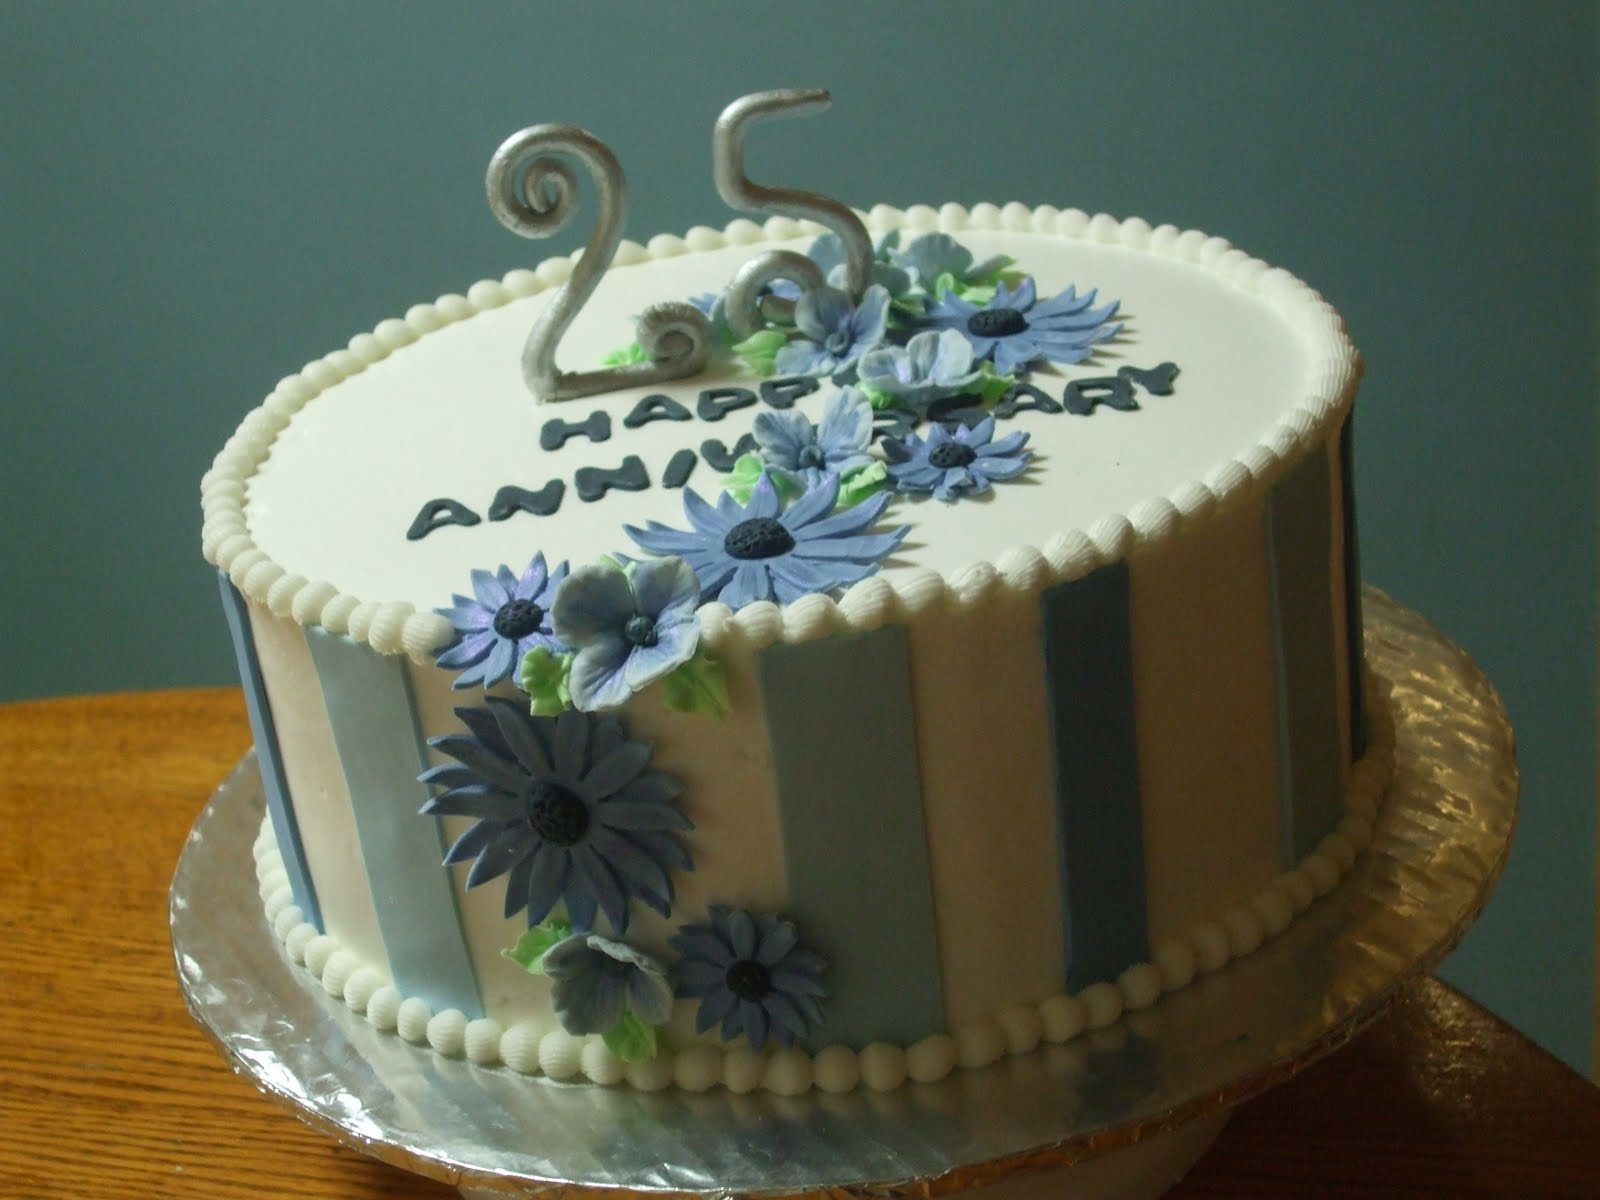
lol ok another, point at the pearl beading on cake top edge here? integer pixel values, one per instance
(397, 627)
(529, 1048)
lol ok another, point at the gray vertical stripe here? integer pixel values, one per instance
(854, 842)
(1088, 654)
(1310, 757)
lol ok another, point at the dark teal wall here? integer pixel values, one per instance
(199, 197)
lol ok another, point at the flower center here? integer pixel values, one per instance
(951, 454)
(836, 343)
(556, 814)
(640, 631)
(748, 979)
(996, 323)
(518, 618)
(811, 456)
(758, 537)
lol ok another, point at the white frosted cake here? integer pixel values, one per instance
(959, 666)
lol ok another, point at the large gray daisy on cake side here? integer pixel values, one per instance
(566, 808)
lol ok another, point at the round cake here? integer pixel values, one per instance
(955, 663)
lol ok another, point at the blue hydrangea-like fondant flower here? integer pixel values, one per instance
(1016, 329)
(760, 550)
(504, 618)
(938, 255)
(751, 975)
(789, 443)
(598, 980)
(951, 464)
(833, 332)
(628, 631)
(929, 367)
(566, 808)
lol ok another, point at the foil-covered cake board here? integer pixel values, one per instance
(1125, 1111)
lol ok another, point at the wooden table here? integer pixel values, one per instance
(107, 1089)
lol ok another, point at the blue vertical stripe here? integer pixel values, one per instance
(1354, 632)
(373, 719)
(1300, 572)
(1088, 655)
(854, 842)
(280, 808)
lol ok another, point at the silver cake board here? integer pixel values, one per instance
(1122, 1112)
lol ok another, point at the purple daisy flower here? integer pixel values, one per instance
(742, 553)
(1016, 329)
(752, 975)
(951, 464)
(566, 809)
(504, 618)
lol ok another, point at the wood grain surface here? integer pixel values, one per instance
(108, 1090)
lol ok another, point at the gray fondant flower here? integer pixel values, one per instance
(950, 464)
(598, 980)
(833, 332)
(742, 553)
(566, 809)
(505, 617)
(1016, 329)
(790, 443)
(935, 255)
(627, 631)
(752, 975)
(930, 367)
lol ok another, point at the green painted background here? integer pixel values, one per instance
(199, 197)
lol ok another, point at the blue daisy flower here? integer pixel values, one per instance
(951, 464)
(597, 980)
(566, 809)
(833, 332)
(742, 553)
(628, 631)
(789, 443)
(504, 618)
(1016, 329)
(752, 975)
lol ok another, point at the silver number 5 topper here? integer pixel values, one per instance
(533, 192)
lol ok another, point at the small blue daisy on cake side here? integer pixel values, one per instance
(504, 618)
(751, 975)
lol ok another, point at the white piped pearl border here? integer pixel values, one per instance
(530, 1048)
(399, 628)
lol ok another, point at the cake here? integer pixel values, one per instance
(957, 664)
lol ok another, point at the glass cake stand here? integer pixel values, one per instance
(1119, 1113)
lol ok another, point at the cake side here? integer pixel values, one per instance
(1038, 803)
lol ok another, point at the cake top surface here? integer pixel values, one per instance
(321, 487)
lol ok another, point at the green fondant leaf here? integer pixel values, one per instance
(630, 1039)
(991, 384)
(759, 351)
(535, 941)
(698, 686)
(626, 356)
(543, 676)
(879, 400)
(855, 486)
(742, 480)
